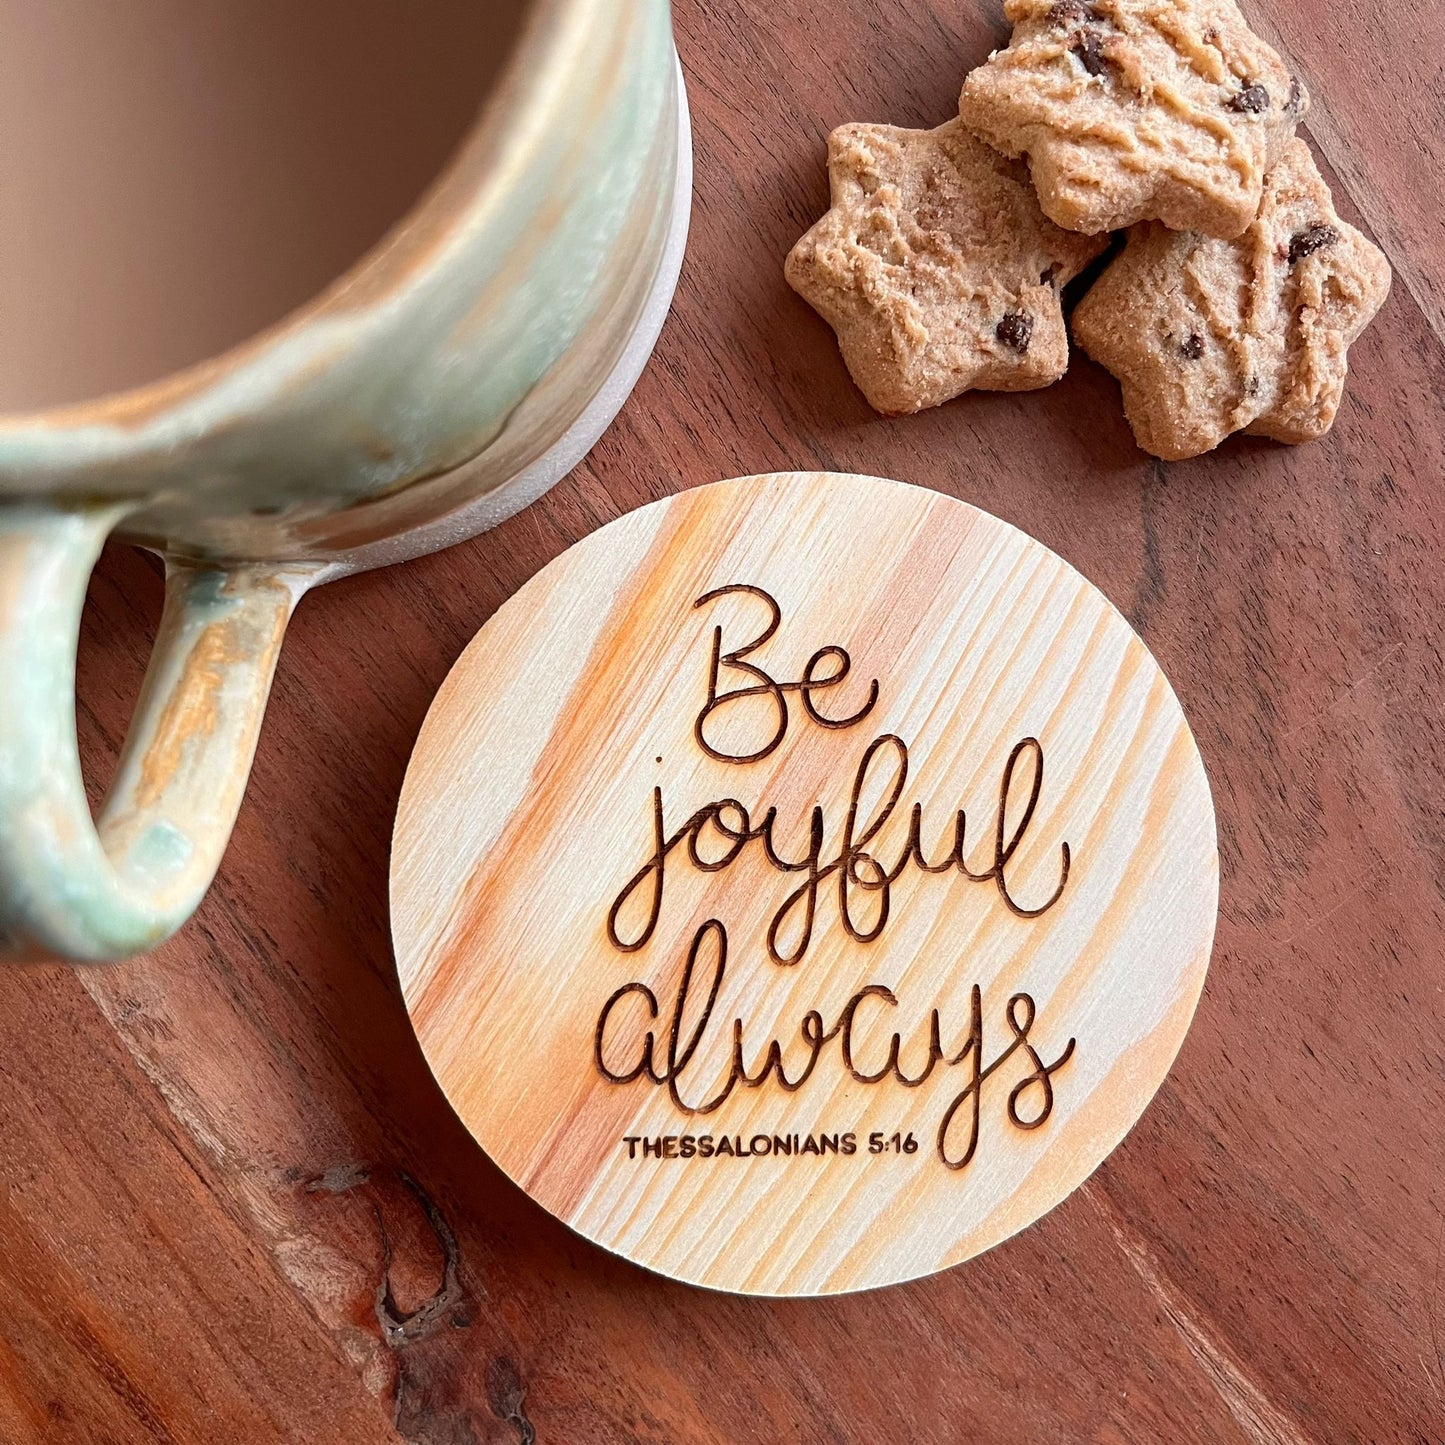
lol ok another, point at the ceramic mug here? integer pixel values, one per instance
(447, 377)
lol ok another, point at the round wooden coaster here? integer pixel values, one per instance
(803, 883)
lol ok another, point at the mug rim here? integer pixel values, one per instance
(452, 195)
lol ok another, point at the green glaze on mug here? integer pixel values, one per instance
(474, 334)
(94, 891)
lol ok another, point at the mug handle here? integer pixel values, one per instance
(88, 890)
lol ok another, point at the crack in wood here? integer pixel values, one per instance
(339, 1178)
(399, 1327)
(507, 1396)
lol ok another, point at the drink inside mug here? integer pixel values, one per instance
(177, 175)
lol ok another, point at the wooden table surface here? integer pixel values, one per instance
(235, 1206)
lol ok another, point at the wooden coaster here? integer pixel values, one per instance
(803, 883)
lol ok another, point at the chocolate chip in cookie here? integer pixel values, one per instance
(1130, 110)
(1252, 100)
(1281, 304)
(1307, 242)
(1088, 50)
(936, 267)
(1016, 331)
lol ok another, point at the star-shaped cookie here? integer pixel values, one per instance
(1210, 337)
(1132, 110)
(936, 267)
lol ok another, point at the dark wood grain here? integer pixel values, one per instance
(235, 1207)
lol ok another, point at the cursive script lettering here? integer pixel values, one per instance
(634, 1040)
(710, 948)
(855, 868)
(776, 693)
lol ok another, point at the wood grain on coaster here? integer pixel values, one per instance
(803, 883)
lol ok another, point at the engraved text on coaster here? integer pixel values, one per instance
(803, 883)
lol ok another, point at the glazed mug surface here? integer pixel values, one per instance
(453, 371)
